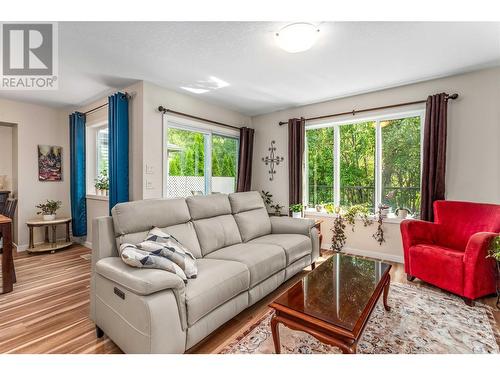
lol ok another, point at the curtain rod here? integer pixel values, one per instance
(103, 105)
(164, 110)
(355, 112)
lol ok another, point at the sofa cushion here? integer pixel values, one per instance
(205, 206)
(262, 260)
(139, 216)
(137, 280)
(218, 281)
(216, 232)
(245, 201)
(438, 265)
(253, 224)
(296, 246)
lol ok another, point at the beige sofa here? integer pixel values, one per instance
(242, 255)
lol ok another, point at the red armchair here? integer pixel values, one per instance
(451, 252)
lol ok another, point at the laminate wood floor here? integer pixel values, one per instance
(48, 310)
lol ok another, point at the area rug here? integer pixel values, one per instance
(422, 320)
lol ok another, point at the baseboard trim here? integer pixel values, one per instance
(370, 254)
(87, 244)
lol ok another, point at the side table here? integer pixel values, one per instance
(53, 244)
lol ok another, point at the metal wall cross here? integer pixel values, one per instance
(272, 160)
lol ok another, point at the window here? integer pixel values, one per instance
(102, 151)
(376, 160)
(97, 163)
(188, 169)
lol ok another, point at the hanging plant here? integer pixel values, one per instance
(358, 210)
(338, 237)
(379, 234)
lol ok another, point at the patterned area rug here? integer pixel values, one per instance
(422, 320)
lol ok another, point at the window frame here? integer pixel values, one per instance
(176, 122)
(377, 119)
(91, 156)
(97, 129)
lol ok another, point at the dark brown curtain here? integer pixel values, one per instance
(296, 139)
(245, 160)
(434, 148)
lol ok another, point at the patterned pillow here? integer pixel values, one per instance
(135, 257)
(165, 245)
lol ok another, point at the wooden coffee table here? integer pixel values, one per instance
(334, 301)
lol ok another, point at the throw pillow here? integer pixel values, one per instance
(135, 257)
(165, 245)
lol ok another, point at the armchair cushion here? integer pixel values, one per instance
(438, 265)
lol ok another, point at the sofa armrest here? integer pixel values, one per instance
(414, 232)
(479, 270)
(140, 281)
(288, 225)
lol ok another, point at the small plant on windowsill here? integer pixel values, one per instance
(494, 252)
(102, 183)
(49, 209)
(296, 210)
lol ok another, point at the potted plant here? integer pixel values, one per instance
(49, 209)
(277, 209)
(296, 210)
(494, 252)
(102, 183)
(329, 208)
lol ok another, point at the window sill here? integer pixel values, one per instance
(97, 197)
(387, 220)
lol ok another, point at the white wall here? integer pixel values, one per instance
(473, 158)
(152, 129)
(36, 125)
(6, 155)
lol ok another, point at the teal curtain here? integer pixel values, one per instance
(118, 149)
(77, 174)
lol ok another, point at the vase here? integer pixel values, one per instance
(296, 215)
(49, 217)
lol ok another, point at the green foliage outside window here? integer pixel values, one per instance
(400, 164)
(188, 157)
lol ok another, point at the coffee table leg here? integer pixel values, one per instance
(386, 293)
(276, 334)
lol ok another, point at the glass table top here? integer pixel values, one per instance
(337, 291)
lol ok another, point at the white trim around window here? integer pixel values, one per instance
(378, 149)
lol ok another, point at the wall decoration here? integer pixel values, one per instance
(49, 163)
(272, 160)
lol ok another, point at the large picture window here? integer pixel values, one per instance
(369, 162)
(199, 160)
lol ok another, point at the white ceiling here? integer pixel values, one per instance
(349, 58)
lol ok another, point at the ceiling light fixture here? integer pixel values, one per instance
(297, 37)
